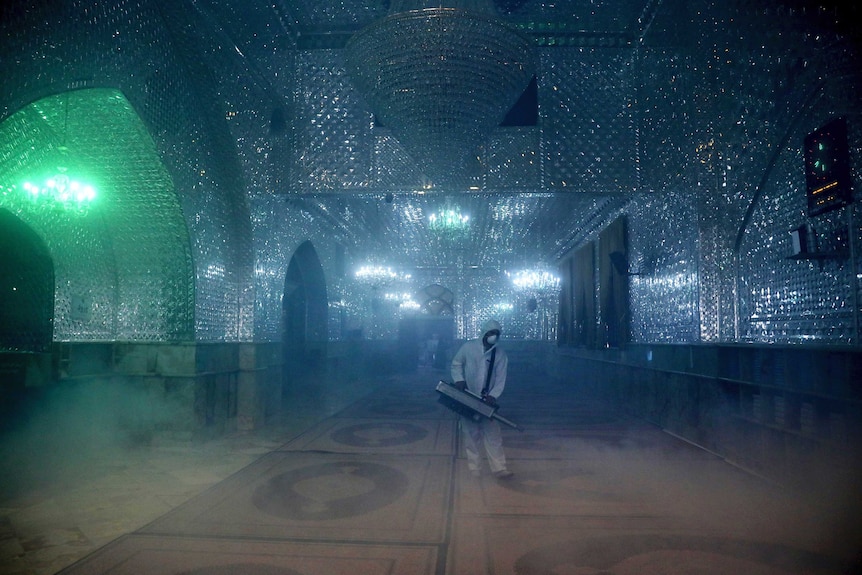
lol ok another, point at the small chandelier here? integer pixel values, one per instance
(59, 189)
(62, 191)
(441, 75)
(448, 220)
(535, 280)
(379, 275)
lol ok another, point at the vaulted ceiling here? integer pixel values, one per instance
(524, 223)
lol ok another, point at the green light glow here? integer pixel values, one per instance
(81, 170)
(61, 189)
(448, 219)
(59, 151)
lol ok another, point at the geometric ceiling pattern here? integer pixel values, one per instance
(619, 113)
(539, 188)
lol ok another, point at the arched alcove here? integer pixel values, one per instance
(427, 338)
(122, 261)
(305, 313)
(436, 300)
(26, 288)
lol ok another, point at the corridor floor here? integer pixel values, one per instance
(367, 480)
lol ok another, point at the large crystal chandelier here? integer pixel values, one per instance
(441, 75)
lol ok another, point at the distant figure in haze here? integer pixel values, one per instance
(431, 347)
(480, 366)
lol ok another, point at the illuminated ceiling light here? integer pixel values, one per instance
(398, 296)
(441, 78)
(60, 189)
(448, 219)
(535, 280)
(379, 275)
(372, 272)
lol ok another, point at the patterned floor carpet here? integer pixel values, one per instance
(380, 486)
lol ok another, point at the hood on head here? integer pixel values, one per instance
(490, 325)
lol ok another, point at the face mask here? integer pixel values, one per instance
(491, 339)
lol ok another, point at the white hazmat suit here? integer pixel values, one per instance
(470, 365)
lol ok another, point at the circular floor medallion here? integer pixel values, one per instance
(649, 554)
(344, 489)
(400, 408)
(379, 434)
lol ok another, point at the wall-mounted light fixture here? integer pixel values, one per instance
(804, 245)
(621, 264)
(799, 241)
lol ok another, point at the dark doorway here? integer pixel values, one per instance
(304, 309)
(26, 288)
(26, 312)
(613, 286)
(426, 341)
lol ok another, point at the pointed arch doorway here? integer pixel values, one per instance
(26, 288)
(26, 314)
(427, 339)
(304, 313)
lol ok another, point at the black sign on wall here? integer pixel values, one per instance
(827, 168)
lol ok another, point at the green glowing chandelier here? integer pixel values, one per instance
(448, 219)
(60, 190)
(58, 186)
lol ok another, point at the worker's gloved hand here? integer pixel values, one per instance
(490, 400)
(462, 385)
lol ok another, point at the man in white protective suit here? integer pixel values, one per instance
(480, 367)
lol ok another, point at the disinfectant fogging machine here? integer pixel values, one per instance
(469, 404)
